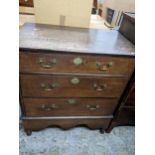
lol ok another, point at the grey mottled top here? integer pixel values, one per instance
(57, 38)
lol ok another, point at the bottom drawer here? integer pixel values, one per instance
(69, 106)
(65, 123)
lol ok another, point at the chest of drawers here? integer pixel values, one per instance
(71, 76)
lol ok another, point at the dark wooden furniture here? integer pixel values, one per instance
(125, 114)
(72, 76)
(95, 4)
(26, 3)
(95, 7)
(127, 27)
(100, 12)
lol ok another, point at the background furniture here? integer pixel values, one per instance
(26, 3)
(94, 9)
(97, 7)
(109, 16)
(26, 7)
(127, 27)
(72, 76)
(118, 6)
(125, 113)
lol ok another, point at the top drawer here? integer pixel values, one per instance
(75, 63)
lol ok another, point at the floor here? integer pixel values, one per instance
(96, 21)
(78, 141)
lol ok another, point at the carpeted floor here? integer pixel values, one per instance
(78, 141)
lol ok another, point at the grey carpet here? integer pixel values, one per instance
(78, 141)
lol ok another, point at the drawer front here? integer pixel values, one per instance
(69, 107)
(27, 3)
(74, 63)
(69, 86)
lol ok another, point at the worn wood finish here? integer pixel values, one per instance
(125, 114)
(90, 64)
(26, 3)
(125, 117)
(58, 90)
(87, 87)
(130, 100)
(33, 124)
(69, 106)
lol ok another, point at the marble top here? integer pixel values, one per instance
(69, 39)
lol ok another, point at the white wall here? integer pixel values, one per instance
(75, 13)
(23, 9)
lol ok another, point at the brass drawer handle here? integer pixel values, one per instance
(71, 101)
(77, 61)
(93, 107)
(104, 67)
(49, 108)
(47, 65)
(75, 81)
(99, 87)
(49, 87)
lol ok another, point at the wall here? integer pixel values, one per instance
(63, 12)
(122, 5)
(23, 9)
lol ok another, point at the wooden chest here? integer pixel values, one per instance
(72, 76)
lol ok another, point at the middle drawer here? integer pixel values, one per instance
(71, 86)
(69, 106)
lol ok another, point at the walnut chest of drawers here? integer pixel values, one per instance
(71, 76)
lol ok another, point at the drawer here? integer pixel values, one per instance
(75, 63)
(70, 86)
(27, 3)
(69, 106)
